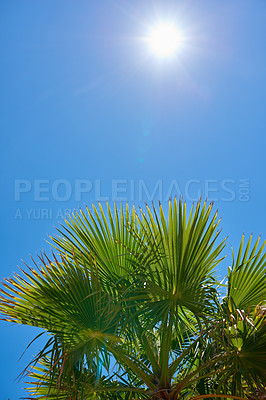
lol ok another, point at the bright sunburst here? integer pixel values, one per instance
(165, 40)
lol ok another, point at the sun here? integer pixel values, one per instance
(165, 40)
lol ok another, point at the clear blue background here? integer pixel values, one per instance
(82, 98)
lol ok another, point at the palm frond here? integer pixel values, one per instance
(246, 278)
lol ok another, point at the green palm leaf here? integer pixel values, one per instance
(246, 279)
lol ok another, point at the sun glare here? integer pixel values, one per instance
(165, 40)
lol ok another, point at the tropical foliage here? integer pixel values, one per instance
(133, 309)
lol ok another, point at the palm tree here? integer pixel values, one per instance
(133, 309)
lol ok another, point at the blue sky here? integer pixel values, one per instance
(88, 112)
